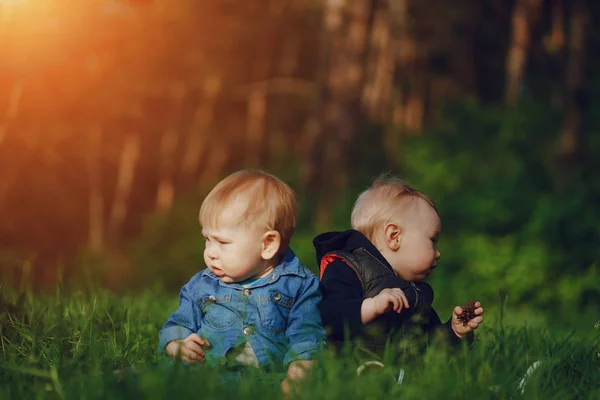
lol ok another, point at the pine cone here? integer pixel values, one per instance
(468, 312)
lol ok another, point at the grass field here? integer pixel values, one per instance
(69, 345)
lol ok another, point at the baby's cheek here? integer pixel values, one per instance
(424, 260)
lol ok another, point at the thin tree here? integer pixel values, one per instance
(196, 141)
(169, 142)
(337, 112)
(570, 134)
(379, 74)
(96, 198)
(12, 110)
(524, 16)
(130, 153)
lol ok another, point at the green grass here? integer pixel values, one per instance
(68, 345)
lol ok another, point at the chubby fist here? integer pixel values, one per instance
(459, 326)
(190, 349)
(390, 299)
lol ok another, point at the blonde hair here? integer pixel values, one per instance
(381, 202)
(268, 202)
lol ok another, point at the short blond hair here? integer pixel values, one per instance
(380, 203)
(268, 203)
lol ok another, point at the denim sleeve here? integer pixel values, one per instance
(305, 330)
(186, 319)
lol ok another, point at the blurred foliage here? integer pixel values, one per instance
(514, 225)
(81, 86)
(514, 221)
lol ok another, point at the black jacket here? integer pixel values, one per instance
(344, 287)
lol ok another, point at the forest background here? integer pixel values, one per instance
(118, 116)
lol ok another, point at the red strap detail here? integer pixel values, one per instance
(328, 258)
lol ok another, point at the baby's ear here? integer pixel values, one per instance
(271, 242)
(393, 236)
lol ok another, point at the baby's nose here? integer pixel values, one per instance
(211, 252)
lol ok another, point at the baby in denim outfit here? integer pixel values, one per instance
(255, 304)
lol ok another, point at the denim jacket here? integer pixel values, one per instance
(278, 315)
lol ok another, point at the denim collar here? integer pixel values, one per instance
(289, 266)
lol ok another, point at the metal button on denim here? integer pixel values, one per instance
(212, 298)
(247, 292)
(247, 330)
(277, 297)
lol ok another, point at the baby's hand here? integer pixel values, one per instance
(390, 299)
(190, 349)
(295, 373)
(461, 328)
(387, 299)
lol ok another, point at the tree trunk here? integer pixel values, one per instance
(409, 75)
(280, 142)
(404, 111)
(414, 108)
(256, 125)
(312, 150)
(570, 136)
(125, 178)
(96, 198)
(30, 153)
(165, 194)
(216, 162)
(524, 16)
(256, 122)
(12, 111)
(555, 42)
(380, 66)
(200, 128)
(342, 111)
(290, 53)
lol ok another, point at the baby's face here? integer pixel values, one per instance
(418, 254)
(233, 250)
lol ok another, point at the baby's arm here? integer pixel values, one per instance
(343, 304)
(455, 335)
(304, 331)
(416, 298)
(387, 300)
(178, 334)
(461, 328)
(342, 299)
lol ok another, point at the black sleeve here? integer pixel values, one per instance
(343, 297)
(420, 297)
(342, 300)
(444, 330)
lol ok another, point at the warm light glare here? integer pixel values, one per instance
(35, 32)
